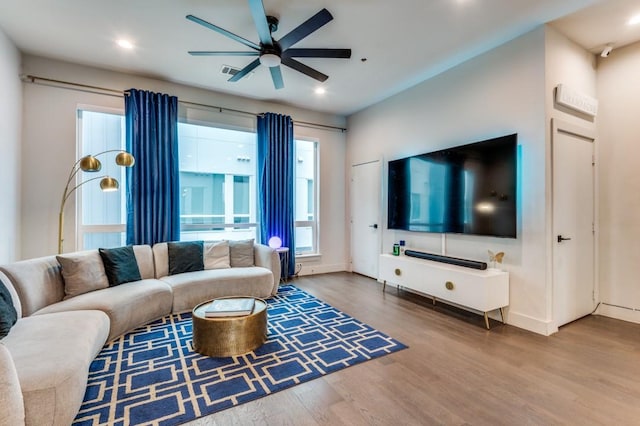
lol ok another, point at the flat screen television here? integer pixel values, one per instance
(467, 189)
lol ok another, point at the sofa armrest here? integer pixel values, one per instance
(268, 258)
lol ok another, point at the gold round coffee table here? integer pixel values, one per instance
(228, 336)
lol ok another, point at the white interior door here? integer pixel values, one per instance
(573, 223)
(365, 218)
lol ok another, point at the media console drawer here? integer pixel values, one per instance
(482, 290)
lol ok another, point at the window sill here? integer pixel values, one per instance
(310, 256)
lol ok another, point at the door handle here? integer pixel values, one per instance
(374, 226)
(561, 238)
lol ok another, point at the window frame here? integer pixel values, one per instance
(315, 223)
(80, 229)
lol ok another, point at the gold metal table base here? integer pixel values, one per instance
(229, 336)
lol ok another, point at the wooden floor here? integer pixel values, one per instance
(455, 372)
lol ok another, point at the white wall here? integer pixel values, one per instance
(49, 149)
(571, 65)
(619, 184)
(497, 93)
(10, 126)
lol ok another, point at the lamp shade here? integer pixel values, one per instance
(275, 242)
(108, 184)
(89, 163)
(125, 159)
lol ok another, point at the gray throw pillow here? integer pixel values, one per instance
(82, 272)
(241, 253)
(8, 313)
(216, 255)
(185, 256)
(120, 265)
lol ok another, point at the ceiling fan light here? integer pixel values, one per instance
(270, 60)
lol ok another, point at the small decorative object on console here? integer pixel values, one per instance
(495, 258)
(230, 307)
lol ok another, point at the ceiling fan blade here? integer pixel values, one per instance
(299, 66)
(306, 28)
(317, 53)
(260, 19)
(215, 53)
(224, 32)
(276, 76)
(246, 70)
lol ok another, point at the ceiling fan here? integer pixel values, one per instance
(271, 52)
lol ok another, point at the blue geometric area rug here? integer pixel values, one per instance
(152, 375)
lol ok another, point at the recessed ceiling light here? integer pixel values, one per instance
(125, 44)
(320, 91)
(635, 20)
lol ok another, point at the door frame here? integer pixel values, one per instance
(560, 126)
(381, 214)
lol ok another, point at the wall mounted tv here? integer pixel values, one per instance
(467, 189)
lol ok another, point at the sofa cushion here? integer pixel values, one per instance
(8, 313)
(192, 288)
(52, 354)
(82, 272)
(144, 257)
(120, 265)
(38, 282)
(128, 305)
(185, 256)
(12, 412)
(216, 255)
(241, 253)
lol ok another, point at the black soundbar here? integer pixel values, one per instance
(447, 259)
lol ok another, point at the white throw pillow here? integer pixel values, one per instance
(82, 272)
(216, 255)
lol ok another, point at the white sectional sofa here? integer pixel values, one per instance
(45, 358)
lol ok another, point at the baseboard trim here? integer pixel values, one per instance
(535, 325)
(311, 269)
(619, 313)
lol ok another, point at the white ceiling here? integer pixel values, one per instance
(404, 41)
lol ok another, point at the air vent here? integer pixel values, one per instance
(231, 71)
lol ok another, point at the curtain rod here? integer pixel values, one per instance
(120, 93)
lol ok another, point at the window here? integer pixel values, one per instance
(218, 186)
(217, 183)
(101, 215)
(305, 197)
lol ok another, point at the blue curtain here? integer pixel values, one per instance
(153, 188)
(275, 182)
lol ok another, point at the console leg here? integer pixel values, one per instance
(502, 315)
(384, 285)
(434, 301)
(486, 320)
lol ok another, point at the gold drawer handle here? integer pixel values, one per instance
(398, 272)
(449, 285)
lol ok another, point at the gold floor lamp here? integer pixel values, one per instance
(89, 163)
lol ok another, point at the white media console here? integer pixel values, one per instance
(481, 290)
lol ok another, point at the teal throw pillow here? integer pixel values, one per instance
(8, 314)
(185, 256)
(120, 265)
